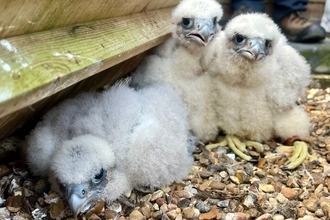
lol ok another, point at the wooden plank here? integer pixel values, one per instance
(23, 120)
(19, 17)
(38, 65)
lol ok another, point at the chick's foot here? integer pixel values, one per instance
(299, 152)
(237, 146)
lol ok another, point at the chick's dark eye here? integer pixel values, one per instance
(239, 38)
(267, 43)
(215, 20)
(98, 177)
(187, 22)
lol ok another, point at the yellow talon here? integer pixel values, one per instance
(232, 146)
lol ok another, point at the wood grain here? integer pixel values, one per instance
(37, 65)
(19, 17)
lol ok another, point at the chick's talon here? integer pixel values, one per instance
(233, 147)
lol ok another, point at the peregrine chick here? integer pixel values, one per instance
(98, 146)
(257, 78)
(180, 63)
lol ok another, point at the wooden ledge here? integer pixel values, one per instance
(37, 65)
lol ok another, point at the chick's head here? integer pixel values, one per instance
(196, 21)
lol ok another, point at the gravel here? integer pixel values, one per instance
(218, 186)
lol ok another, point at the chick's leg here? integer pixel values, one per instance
(237, 146)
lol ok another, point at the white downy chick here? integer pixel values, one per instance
(180, 63)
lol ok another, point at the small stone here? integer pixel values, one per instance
(208, 215)
(41, 186)
(202, 206)
(4, 213)
(234, 179)
(268, 188)
(135, 215)
(14, 203)
(183, 203)
(204, 174)
(160, 201)
(110, 214)
(166, 189)
(163, 208)
(292, 182)
(278, 217)
(172, 214)
(156, 195)
(235, 216)
(217, 185)
(155, 207)
(146, 198)
(289, 193)
(223, 174)
(94, 217)
(190, 213)
(56, 208)
(98, 208)
(38, 214)
(242, 176)
(265, 216)
(281, 198)
(4, 170)
(318, 189)
(179, 217)
(319, 213)
(183, 194)
(311, 203)
(223, 203)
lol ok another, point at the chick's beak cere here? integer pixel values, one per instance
(203, 32)
(79, 197)
(254, 49)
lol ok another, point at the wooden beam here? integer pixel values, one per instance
(18, 17)
(37, 65)
(22, 120)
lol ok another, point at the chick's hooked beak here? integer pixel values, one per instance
(254, 49)
(203, 31)
(80, 197)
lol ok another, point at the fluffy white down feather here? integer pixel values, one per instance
(140, 137)
(257, 100)
(180, 63)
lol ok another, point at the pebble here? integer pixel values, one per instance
(190, 213)
(136, 215)
(56, 209)
(172, 214)
(183, 203)
(278, 217)
(202, 206)
(311, 203)
(234, 179)
(217, 185)
(281, 198)
(235, 216)
(4, 170)
(289, 193)
(14, 203)
(4, 213)
(183, 194)
(268, 188)
(208, 215)
(156, 195)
